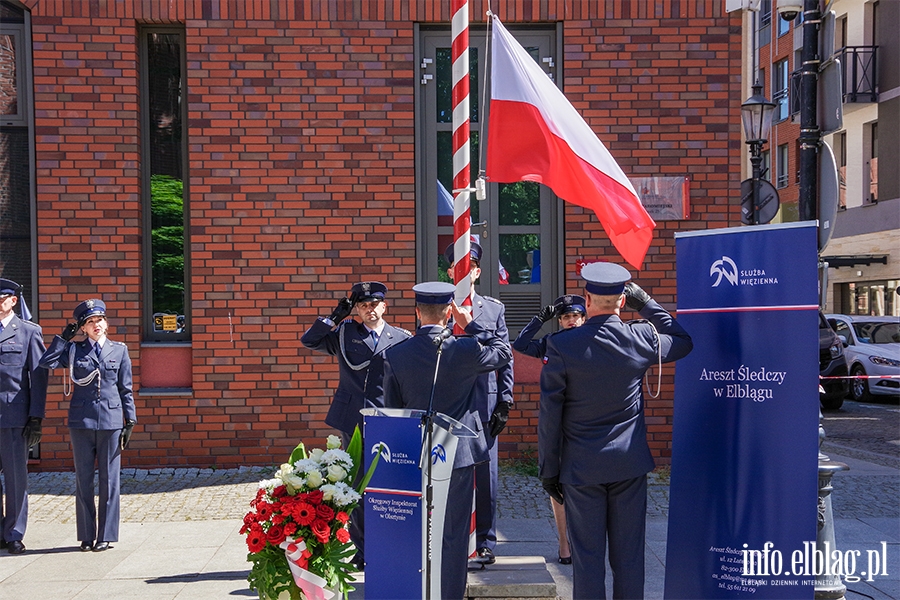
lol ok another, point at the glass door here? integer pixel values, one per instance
(518, 224)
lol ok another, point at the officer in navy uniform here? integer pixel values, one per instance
(592, 437)
(23, 396)
(408, 379)
(101, 417)
(570, 312)
(360, 348)
(493, 393)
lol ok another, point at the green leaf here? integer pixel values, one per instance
(365, 480)
(299, 453)
(355, 450)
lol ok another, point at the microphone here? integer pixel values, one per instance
(443, 335)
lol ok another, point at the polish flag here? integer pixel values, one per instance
(535, 134)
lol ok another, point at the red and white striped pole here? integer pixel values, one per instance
(459, 96)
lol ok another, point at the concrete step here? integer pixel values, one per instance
(512, 577)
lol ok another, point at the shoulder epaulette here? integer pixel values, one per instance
(494, 300)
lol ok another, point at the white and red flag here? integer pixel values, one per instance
(535, 134)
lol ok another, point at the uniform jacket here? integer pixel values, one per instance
(357, 388)
(107, 401)
(496, 385)
(591, 428)
(409, 375)
(23, 386)
(525, 342)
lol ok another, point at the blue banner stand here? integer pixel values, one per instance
(743, 493)
(394, 501)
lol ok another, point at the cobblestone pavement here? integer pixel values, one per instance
(188, 494)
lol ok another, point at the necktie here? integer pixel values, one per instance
(97, 349)
(1, 327)
(374, 338)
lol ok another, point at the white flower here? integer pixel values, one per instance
(336, 473)
(314, 478)
(293, 483)
(333, 442)
(269, 484)
(337, 456)
(328, 491)
(316, 455)
(306, 464)
(344, 495)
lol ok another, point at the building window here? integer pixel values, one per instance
(518, 225)
(870, 173)
(164, 193)
(782, 166)
(783, 26)
(780, 95)
(16, 151)
(874, 298)
(840, 151)
(766, 166)
(765, 21)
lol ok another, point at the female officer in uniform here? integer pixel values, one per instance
(570, 312)
(101, 417)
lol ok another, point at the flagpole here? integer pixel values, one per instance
(462, 222)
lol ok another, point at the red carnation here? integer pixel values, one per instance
(315, 497)
(324, 512)
(277, 518)
(279, 491)
(343, 517)
(275, 535)
(342, 535)
(321, 530)
(304, 513)
(290, 528)
(256, 540)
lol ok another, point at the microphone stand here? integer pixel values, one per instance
(428, 422)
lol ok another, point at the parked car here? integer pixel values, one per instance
(831, 364)
(872, 348)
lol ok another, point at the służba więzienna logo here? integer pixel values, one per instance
(724, 267)
(727, 269)
(438, 453)
(385, 451)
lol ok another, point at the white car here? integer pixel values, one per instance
(872, 347)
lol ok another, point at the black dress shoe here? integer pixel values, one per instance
(565, 560)
(15, 547)
(2, 544)
(485, 556)
(87, 546)
(101, 546)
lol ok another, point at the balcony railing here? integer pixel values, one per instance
(860, 74)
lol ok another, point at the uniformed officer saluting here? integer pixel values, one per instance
(101, 417)
(23, 395)
(569, 311)
(408, 379)
(493, 395)
(360, 348)
(592, 438)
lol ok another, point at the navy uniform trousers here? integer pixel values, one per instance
(23, 394)
(361, 363)
(408, 378)
(593, 436)
(97, 412)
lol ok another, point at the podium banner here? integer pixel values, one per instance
(743, 493)
(394, 509)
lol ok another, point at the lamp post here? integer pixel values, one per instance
(756, 116)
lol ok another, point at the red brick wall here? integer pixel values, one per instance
(301, 143)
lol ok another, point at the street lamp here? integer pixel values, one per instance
(756, 116)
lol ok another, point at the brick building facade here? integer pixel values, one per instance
(304, 173)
